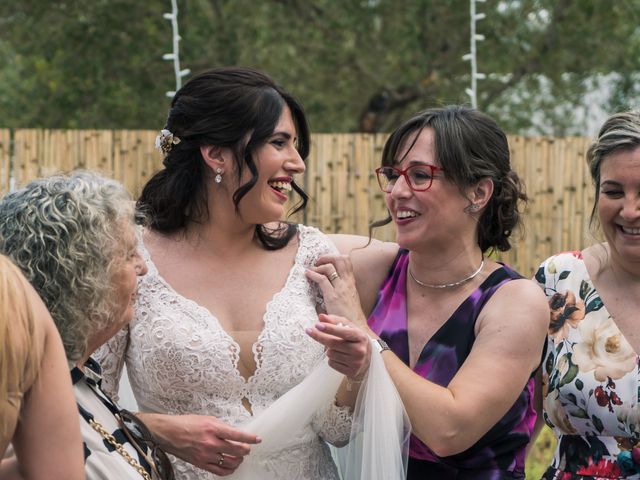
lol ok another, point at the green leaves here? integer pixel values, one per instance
(97, 63)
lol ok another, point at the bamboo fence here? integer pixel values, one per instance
(344, 196)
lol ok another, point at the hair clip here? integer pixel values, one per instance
(166, 140)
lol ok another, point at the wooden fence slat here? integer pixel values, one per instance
(339, 178)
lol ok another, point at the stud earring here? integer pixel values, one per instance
(218, 178)
(474, 207)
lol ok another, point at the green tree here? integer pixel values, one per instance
(355, 64)
(83, 64)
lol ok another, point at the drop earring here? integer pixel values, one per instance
(218, 178)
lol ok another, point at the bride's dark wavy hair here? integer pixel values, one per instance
(469, 146)
(222, 107)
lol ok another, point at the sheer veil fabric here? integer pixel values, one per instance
(379, 440)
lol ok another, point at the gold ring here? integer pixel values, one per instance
(221, 461)
(333, 276)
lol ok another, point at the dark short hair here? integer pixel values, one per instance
(469, 146)
(224, 107)
(619, 132)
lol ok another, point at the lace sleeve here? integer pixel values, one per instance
(111, 357)
(333, 424)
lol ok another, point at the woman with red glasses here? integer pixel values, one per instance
(461, 334)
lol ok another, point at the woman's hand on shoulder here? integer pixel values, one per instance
(370, 262)
(334, 276)
(202, 440)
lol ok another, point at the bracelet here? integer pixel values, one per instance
(351, 383)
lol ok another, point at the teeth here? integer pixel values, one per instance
(281, 185)
(406, 214)
(631, 231)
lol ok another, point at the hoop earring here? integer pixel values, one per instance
(219, 172)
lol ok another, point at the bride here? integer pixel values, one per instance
(218, 355)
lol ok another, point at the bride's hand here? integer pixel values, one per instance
(348, 347)
(335, 278)
(202, 440)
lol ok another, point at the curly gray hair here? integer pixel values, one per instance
(64, 232)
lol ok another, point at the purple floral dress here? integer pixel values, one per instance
(590, 379)
(500, 453)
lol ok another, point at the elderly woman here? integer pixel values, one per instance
(75, 240)
(590, 373)
(37, 412)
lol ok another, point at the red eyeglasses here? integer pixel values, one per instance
(418, 177)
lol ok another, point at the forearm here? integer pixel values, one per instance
(348, 393)
(199, 439)
(438, 418)
(164, 428)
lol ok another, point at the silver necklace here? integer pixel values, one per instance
(448, 285)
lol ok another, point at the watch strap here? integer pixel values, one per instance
(379, 345)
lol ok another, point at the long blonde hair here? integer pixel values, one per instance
(20, 349)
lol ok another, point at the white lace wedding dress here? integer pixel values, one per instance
(181, 361)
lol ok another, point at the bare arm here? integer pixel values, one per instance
(200, 439)
(484, 389)
(370, 263)
(47, 441)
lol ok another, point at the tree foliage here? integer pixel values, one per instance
(357, 65)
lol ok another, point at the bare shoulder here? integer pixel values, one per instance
(514, 323)
(518, 305)
(371, 261)
(375, 253)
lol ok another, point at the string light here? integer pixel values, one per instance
(472, 56)
(175, 55)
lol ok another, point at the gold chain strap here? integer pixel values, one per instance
(119, 448)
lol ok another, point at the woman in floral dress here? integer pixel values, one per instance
(590, 380)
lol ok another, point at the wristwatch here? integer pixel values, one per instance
(379, 345)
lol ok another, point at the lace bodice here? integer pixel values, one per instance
(180, 360)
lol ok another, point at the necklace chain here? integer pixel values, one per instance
(119, 448)
(447, 285)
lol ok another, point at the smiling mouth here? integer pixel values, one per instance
(282, 187)
(402, 214)
(630, 230)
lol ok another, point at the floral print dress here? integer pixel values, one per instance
(590, 379)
